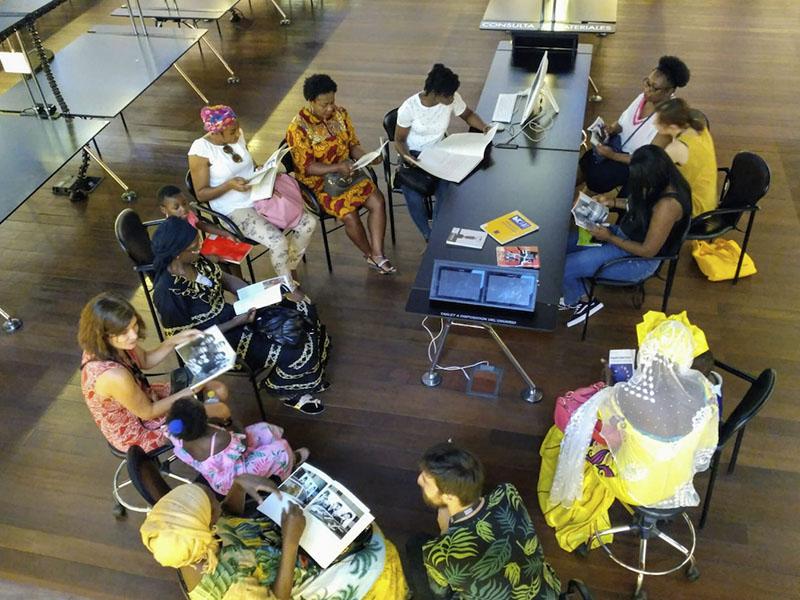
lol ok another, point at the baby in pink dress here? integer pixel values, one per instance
(220, 455)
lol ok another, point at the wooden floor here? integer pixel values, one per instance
(56, 528)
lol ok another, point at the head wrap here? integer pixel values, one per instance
(218, 117)
(178, 529)
(171, 238)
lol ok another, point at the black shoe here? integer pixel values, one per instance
(584, 310)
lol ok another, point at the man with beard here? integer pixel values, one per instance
(487, 547)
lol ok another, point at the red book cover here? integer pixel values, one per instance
(518, 256)
(227, 250)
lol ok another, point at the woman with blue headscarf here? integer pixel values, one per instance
(189, 293)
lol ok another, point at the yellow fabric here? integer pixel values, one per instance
(178, 529)
(718, 259)
(248, 589)
(700, 170)
(574, 525)
(654, 318)
(391, 585)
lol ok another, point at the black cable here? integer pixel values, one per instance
(45, 65)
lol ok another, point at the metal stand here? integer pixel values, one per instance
(233, 77)
(596, 97)
(128, 195)
(432, 378)
(284, 19)
(10, 324)
(191, 83)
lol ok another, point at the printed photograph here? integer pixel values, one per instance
(335, 511)
(303, 485)
(207, 356)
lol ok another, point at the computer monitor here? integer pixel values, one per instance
(533, 100)
(484, 285)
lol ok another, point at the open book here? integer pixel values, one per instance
(454, 157)
(597, 131)
(589, 213)
(261, 294)
(262, 181)
(207, 357)
(365, 160)
(334, 516)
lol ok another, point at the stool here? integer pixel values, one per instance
(645, 525)
(121, 505)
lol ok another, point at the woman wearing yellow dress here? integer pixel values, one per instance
(323, 143)
(691, 149)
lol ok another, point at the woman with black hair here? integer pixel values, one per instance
(189, 292)
(658, 211)
(605, 167)
(422, 120)
(324, 144)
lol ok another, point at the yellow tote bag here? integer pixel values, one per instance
(718, 259)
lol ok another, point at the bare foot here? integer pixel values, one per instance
(300, 456)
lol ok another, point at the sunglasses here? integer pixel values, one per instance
(228, 150)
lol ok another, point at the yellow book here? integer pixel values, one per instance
(509, 227)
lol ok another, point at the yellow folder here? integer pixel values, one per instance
(509, 227)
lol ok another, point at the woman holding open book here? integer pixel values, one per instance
(422, 120)
(323, 143)
(189, 292)
(226, 557)
(221, 166)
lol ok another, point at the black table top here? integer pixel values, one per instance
(8, 23)
(539, 183)
(34, 149)
(27, 7)
(178, 9)
(569, 89)
(100, 74)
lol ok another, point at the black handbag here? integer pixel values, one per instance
(418, 180)
(335, 185)
(282, 324)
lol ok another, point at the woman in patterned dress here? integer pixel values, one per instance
(190, 293)
(323, 141)
(126, 407)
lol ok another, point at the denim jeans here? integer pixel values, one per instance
(584, 261)
(416, 206)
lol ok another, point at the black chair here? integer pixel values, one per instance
(576, 589)
(760, 390)
(392, 186)
(671, 255)
(161, 463)
(134, 240)
(646, 527)
(312, 203)
(746, 182)
(208, 214)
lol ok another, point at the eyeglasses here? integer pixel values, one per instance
(649, 84)
(228, 150)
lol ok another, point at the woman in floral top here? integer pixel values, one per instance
(323, 143)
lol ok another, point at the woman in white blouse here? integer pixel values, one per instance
(221, 165)
(605, 167)
(422, 120)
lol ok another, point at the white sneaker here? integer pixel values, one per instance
(585, 310)
(564, 306)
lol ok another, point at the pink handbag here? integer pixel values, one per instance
(285, 208)
(572, 401)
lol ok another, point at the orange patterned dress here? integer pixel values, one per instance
(313, 140)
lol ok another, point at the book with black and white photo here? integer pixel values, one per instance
(467, 238)
(262, 181)
(597, 132)
(334, 516)
(589, 213)
(207, 356)
(261, 294)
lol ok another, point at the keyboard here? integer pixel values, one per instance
(504, 109)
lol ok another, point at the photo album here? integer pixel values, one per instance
(334, 516)
(589, 213)
(207, 357)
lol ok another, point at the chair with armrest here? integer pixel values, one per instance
(746, 182)
(312, 203)
(134, 239)
(670, 255)
(755, 397)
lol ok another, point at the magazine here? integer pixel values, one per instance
(621, 364)
(207, 357)
(454, 157)
(589, 213)
(597, 132)
(509, 227)
(526, 257)
(261, 294)
(334, 516)
(262, 181)
(227, 250)
(468, 238)
(367, 159)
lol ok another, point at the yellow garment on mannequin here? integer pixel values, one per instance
(654, 318)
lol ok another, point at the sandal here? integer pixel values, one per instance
(305, 404)
(324, 385)
(300, 456)
(382, 265)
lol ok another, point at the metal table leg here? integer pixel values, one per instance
(531, 393)
(128, 195)
(233, 77)
(10, 324)
(431, 378)
(191, 83)
(284, 19)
